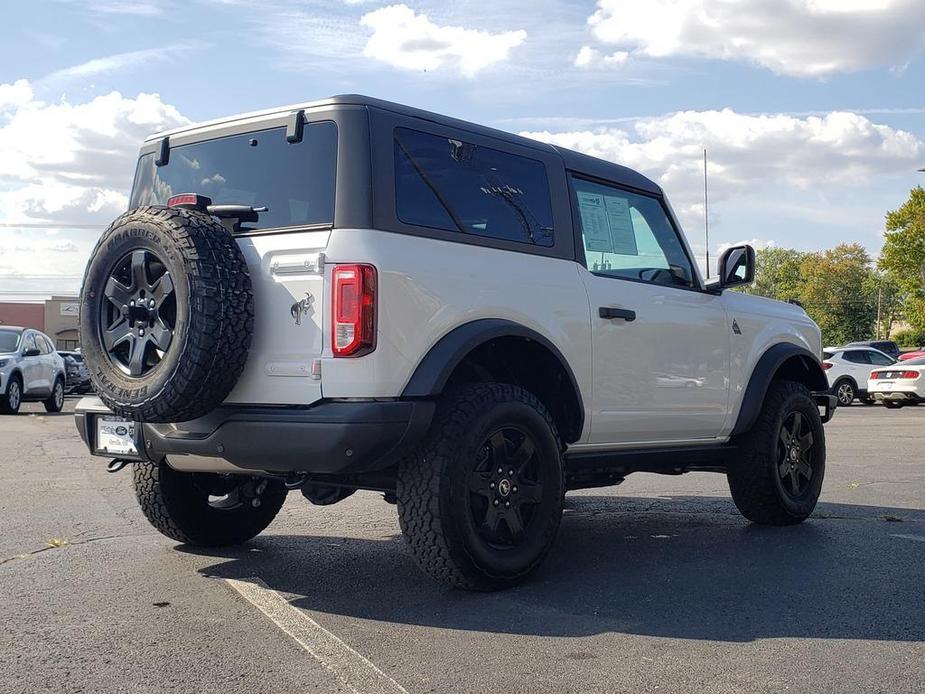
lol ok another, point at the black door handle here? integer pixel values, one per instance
(610, 312)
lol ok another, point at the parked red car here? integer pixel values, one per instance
(920, 352)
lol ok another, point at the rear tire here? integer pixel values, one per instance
(480, 500)
(56, 402)
(11, 401)
(778, 478)
(189, 507)
(845, 391)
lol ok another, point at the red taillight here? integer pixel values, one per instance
(353, 310)
(826, 365)
(191, 201)
(877, 375)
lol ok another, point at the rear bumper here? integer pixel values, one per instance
(330, 437)
(898, 395)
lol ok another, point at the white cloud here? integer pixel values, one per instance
(750, 154)
(73, 163)
(15, 95)
(411, 41)
(122, 61)
(809, 38)
(590, 57)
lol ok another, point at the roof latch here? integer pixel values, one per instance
(295, 125)
(163, 152)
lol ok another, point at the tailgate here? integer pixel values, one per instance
(288, 286)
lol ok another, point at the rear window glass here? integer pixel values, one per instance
(295, 181)
(8, 340)
(445, 183)
(828, 355)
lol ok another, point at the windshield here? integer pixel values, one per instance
(295, 181)
(9, 339)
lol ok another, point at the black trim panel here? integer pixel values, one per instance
(435, 369)
(763, 374)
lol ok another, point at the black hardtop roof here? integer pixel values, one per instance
(592, 166)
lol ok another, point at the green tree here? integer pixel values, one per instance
(777, 274)
(903, 255)
(836, 292)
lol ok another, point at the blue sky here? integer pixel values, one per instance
(812, 110)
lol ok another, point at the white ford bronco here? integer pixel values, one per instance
(353, 294)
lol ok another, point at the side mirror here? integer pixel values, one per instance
(31, 352)
(736, 268)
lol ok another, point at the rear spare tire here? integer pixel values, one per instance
(166, 314)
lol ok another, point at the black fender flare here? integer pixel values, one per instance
(434, 370)
(764, 372)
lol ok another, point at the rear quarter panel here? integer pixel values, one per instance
(428, 287)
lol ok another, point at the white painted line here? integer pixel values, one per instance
(351, 668)
(916, 538)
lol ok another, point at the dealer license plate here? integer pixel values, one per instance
(115, 436)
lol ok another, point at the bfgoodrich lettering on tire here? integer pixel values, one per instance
(480, 500)
(166, 314)
(781, 464)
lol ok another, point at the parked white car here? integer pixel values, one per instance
(848, 370)
(902, 384)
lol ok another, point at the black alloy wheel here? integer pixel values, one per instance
(795, 455)
(138, 313)
(505, 487)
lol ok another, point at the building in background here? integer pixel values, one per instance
(55, 316)
(61, 321)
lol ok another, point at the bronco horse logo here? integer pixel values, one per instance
(300, 308)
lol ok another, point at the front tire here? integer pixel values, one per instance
(12, 399)
(55, 403)
(480, 500)
(778, 478)
(205, 509)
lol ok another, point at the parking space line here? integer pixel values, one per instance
(354, 670)
(916, 538)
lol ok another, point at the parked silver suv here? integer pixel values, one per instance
(30, 369)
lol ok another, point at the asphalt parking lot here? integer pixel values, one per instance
(655, 585)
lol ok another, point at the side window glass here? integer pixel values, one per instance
(880, 359)
(448, 184)
(857, 357)
(28, 342)
(43, 344)
(630, 236)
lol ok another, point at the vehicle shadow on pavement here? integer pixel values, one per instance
(681, 567)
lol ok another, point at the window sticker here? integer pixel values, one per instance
(594, 223)
(607, 224)
(621, 226)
